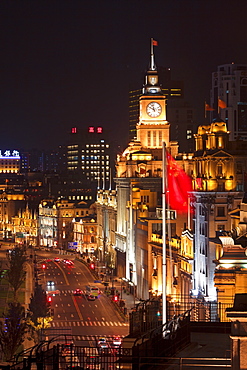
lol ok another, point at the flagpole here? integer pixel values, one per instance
(164, 234)
(152, 55)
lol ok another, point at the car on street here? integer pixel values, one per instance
(116, 341)
(56, 259)
(77, 292)
(68, 262)
(50, 283)
(102, 343)
(91, 297)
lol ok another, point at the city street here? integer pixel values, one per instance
(85, 319)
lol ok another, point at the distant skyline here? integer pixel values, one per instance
(72, 63)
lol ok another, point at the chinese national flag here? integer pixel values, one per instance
(155, 43)
(221, 103)
(179, 184)
(208, 107)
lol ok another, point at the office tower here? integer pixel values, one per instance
(89, 155)
(229, 98)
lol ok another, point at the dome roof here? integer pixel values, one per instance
(203, 129)
(218, 126)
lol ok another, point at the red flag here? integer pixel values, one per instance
(198, 183)
(155, 43)
(221, 103)
(208, 107)
(179, 184)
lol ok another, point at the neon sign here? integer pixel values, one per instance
(98, 130)
(10, 154)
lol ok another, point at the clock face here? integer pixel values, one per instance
(154, 109)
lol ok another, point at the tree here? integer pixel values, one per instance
(39, 311)
(16, 273)
(12, 330)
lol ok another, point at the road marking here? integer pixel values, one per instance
(77, 308)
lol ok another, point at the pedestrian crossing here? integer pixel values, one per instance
(92, 338)
(60, 323)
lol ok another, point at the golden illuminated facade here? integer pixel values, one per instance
(25, 226)
(55, 221)
(9, 161)
(179, 265)
(10, 203)
(106, 206)
(217, 168)
(85, 234)
(139, 189)
(230, 276)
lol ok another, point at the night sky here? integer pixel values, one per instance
(71, 63)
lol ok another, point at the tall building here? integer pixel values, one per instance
(139, 188)
(89, 155)
(229, 84)
(217, 168)
(170, 88)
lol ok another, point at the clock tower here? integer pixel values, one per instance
(152, 128)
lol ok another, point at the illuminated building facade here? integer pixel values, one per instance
(89, 154)
(229, 83)
(48, 222)
(106, 208)
(230, 275)
(56, 221)
(218, 169)
(85, 234)
(9, 161)
(139, 188)
(25, 226)
(10, 202)
(179, 265)
(171, 89)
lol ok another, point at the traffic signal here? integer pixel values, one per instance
(115, 298)
(49, 299)
(158, 313)
(92, 266)
(43, 265)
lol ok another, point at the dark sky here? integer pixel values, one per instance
(71, 63)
